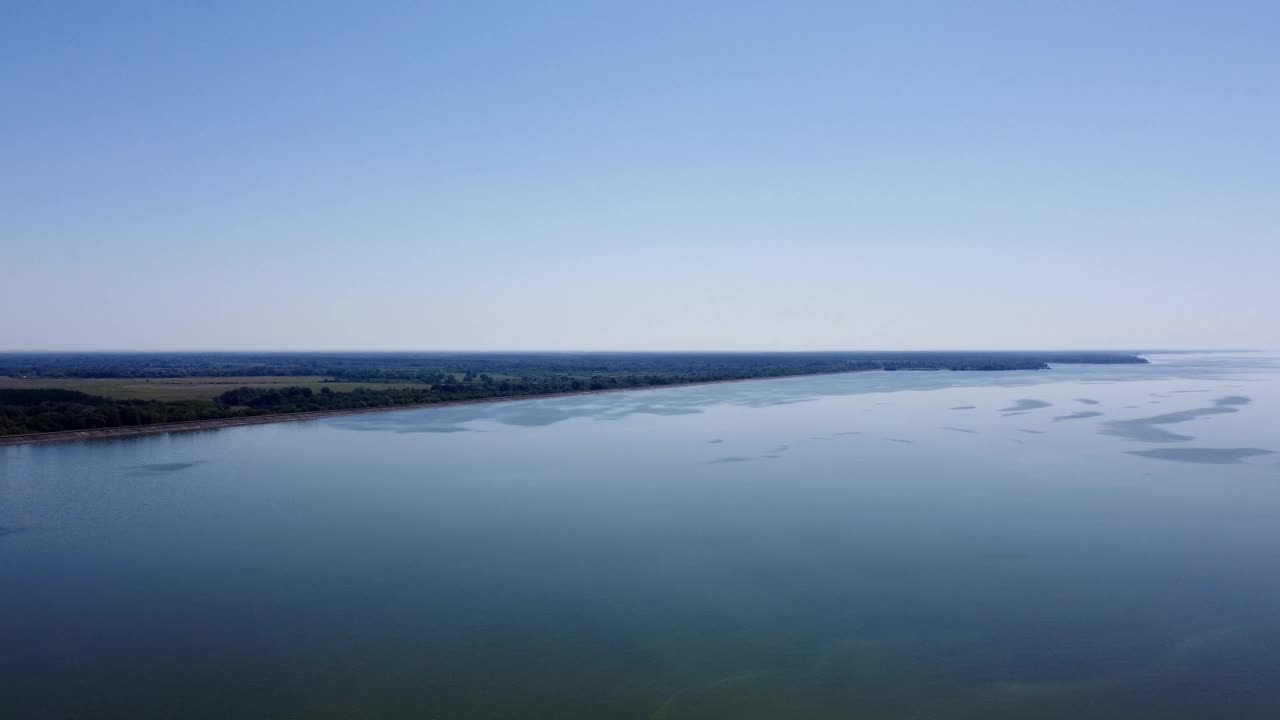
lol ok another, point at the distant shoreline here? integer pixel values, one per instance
(218, 423)
(104, 433)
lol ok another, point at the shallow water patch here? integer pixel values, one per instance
(1078, 416)
(1207, 456)
(1148, 429)
(163, 467)
(1026, 404)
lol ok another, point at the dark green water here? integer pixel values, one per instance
(1089, 542)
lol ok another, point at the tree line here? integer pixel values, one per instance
(434, 379)
(443, 367)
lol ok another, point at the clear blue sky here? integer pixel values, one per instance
(643, 175)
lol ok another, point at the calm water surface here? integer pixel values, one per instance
(1086, 542)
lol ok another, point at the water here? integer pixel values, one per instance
(1087, 542)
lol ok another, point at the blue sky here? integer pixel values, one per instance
(727, 176)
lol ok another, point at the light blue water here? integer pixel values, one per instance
(1086, 542)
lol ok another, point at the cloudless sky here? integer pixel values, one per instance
(648, 175)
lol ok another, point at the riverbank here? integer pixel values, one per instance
(218, 423)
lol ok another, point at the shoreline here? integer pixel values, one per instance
(219, 423)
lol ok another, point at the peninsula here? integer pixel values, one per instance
(50, 396)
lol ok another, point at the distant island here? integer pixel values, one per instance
(128, 393)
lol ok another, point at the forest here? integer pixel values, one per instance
(432, 378)
(430, 367)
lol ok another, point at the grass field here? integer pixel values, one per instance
(188, 388)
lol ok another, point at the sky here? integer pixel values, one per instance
(639, 176)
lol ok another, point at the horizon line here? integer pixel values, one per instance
(614, 351)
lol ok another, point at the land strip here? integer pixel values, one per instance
(78, 396)
(218, 423)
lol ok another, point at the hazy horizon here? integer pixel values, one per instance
(727, 177)
(569, 351)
